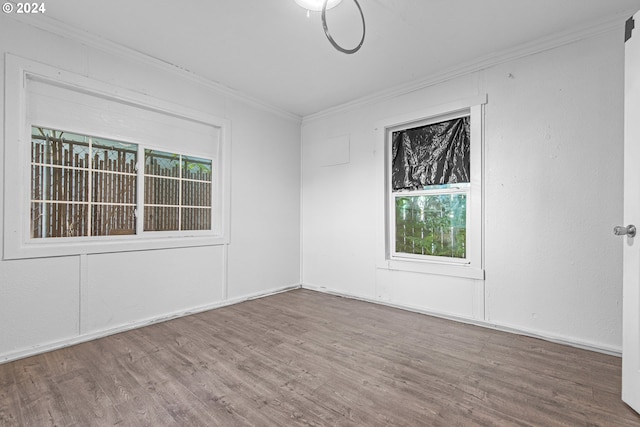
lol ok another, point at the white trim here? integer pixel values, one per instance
(573, 35)
(474, 263)
(558, 339)
(21, 354)
(585, 345)
(17, 243)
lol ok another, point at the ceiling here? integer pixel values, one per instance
(271, 51)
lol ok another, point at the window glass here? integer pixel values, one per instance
(114, 181)
(81, 186)
(177, 192)
(158, 218)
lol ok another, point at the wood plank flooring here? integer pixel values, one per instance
(306, 358)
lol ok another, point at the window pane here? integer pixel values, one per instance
(58, 184)
(61, 165)
(196, 219)
(161, 191)
(196, 168)
(196, 193)
(58, 220)
(54, 147)
(161, 163)
(113, 188)
(432, 225)
(109, 220)
(434, 154)
(161, 218)
(113, 155)
(86, 186)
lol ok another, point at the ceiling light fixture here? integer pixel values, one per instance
(316, 5)
(324, 5)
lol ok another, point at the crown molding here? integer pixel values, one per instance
(615, 22)
(592, 29)
(60, 29)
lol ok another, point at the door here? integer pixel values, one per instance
(631, 251)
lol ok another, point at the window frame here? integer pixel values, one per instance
(17, 241)
(387, 257)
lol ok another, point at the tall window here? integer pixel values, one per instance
(431, 190)
(80, 185)
(87, 186)
(430, 184)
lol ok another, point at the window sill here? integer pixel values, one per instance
(443, 269)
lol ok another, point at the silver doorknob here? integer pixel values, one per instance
(629, 230)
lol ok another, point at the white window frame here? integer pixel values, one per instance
(387, 257)
(17, 241)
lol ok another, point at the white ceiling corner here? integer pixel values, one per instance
(269, 53)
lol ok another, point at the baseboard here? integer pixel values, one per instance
(9, 357)
(21, 354)
(613, 351)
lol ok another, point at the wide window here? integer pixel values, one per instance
(94, 168)
(431, 190)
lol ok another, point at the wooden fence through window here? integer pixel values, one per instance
(78, 189)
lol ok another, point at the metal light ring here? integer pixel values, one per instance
(328, 34)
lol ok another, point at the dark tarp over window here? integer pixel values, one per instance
(434, 154)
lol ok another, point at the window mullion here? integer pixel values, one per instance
(90, 189)
(140, 190)
(180, 194)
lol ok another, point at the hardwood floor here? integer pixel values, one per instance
(305, 358)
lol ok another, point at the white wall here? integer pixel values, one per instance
(553, 192)
(50, 302)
